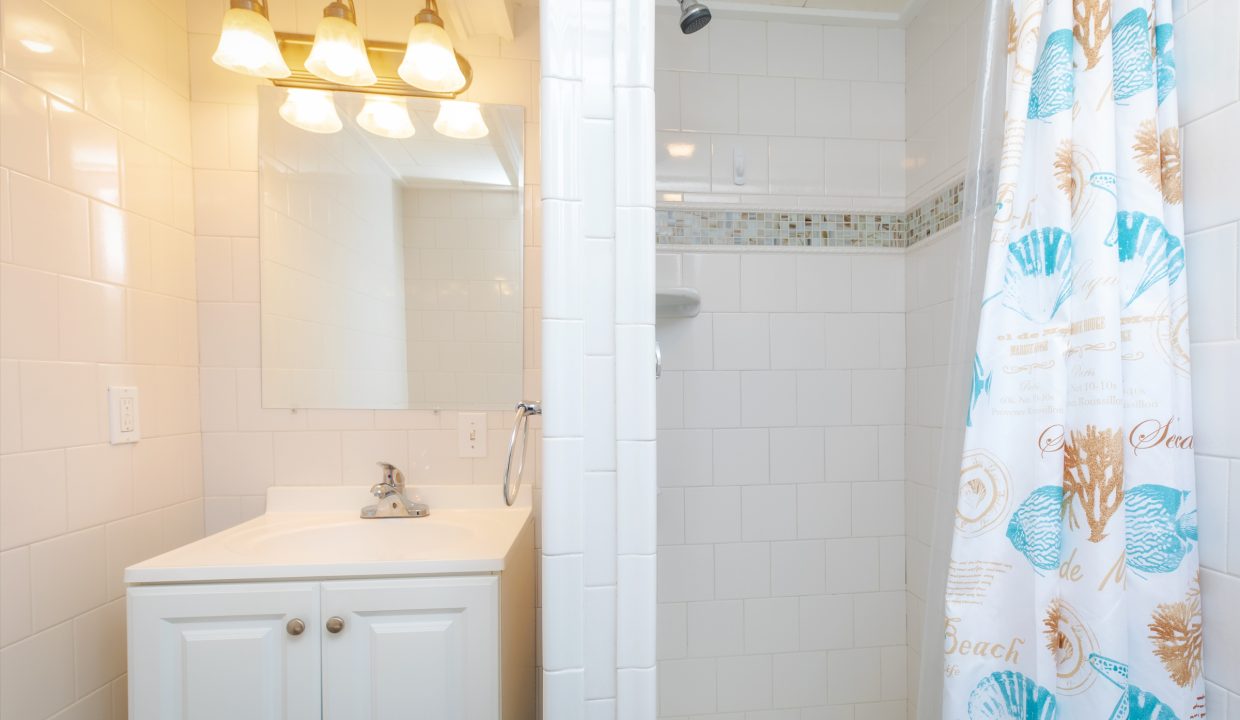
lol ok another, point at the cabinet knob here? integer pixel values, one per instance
(295, 626)
(335, 625)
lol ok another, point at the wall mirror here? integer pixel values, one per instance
(390, 239)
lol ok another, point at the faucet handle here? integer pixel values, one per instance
(392, 475)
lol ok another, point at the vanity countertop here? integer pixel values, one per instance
(315, 532)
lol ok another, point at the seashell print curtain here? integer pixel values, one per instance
(1072, 588)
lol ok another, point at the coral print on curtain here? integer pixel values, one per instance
(1073, 581)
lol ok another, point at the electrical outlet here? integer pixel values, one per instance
(471, 435)
(123, 420)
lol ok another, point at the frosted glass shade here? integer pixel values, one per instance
(311, 110)
(430, 62)
(339, 54)
(386, 117)
(248, 46)
(460, 119)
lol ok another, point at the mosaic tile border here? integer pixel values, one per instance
(791, 228)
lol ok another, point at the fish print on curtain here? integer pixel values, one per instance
(1073, 588)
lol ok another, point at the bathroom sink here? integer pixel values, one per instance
(316, 532)
(345, 538)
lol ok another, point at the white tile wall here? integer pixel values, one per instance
(816, 113)
(773, 514)
(1209, 96)
(97, 288)
(598, 350)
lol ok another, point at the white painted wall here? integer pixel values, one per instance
(781, 468)
(97, 288)
(817, 111)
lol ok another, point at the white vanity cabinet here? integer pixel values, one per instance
(304, 614)
(340, 650)
(223, 651)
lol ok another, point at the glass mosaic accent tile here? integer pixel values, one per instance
(790, 228)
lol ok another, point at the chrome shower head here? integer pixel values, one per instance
(693, 16)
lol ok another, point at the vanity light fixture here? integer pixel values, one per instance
(386, 117)
(430, 60)
(311, 110)
(339, 52)
(337, 57)
(247, 43)
(461, 120)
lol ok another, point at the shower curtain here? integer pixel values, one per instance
(1072, 589)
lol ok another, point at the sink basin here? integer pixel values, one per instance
(315, 532)
(344, 539)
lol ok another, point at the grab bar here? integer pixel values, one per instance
(521, 425)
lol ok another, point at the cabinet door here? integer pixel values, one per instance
(424, 648)
(206, 652)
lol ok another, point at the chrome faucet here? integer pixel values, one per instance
(392, 502)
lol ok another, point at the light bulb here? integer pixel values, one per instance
(339, 52)
(386, 117)
(311, 110)
(248, 45)
(461, 120)
(430, 61)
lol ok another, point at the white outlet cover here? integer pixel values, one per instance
(471, 434)
(124, 419)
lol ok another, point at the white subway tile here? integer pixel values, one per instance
(686, 573)
(635, 611)
(740, 457)
(826, 622)
(597, 61)
(34, 682)
(852, 454)
(769, 512)
(636, 497)
(708, 103)
(824, 510)
(599, 520)
(683, 161)
(799, 679)
(58, 405)
(763, 105)
(684, 457)
(771, 625)
(67, 577)
(794, 49)
(744, 683)
(852, 168)
(671, 516)
(796, 166)
(686, 686)
(742, 341)
(712, 399)
(850, 53)
(877, 110)
(852, 565)
(99, 484)
(712, 514)
(854, 675)
(1214, 289)
(715, 628)
(50, 227)
(768, 283)
(768, 398)
(1207, 69)
(879, 619)
(634, 31)
(823, 398)
(673, 632)
(737, 46)
(742, 570)
(14, 595)
(823, 108)
(798, 341)
(562, 20)
(717, 277)
(562, 599)
(29, 314)
(635, 142)
(599, 612)
(797, 455)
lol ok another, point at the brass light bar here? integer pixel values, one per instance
(385, 58)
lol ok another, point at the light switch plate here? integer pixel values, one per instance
(471, 435)
(124, 423)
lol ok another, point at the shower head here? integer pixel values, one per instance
(693, 16)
